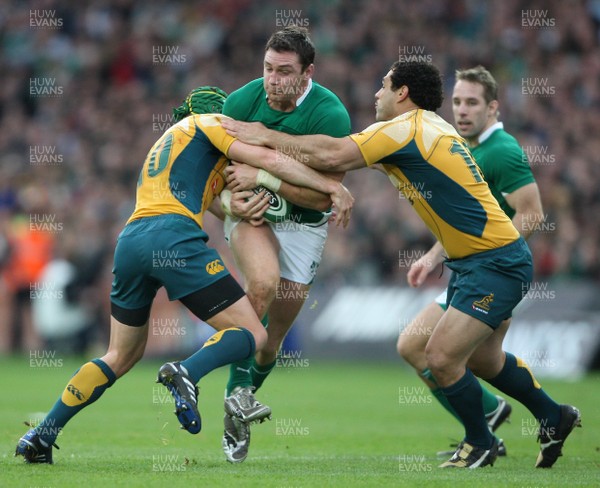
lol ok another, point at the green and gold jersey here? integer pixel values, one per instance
(503, 163)
(183, 172)
(430, 164)
(319, 111)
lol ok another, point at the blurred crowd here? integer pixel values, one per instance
(87, 87)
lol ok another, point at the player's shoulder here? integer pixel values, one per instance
(198, 121)
(500, 136)
(322, 95)
(252, 87)
(325, 112)
(429, 121)
(504, 146)
(239, 101)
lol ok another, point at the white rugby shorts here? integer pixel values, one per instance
(300, 247)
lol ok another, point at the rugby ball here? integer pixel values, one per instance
(279, 208)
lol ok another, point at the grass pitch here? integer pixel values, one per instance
(334, 425)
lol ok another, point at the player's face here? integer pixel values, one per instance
(385, 100)
(284, 80)
(472, 115)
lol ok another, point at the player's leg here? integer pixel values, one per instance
(256, 252)
(301, 250)
(282, 314)
(512, 376)
(239, 332)
(90, 381)
(456, 336)
(225, 307)
(131, 299)
(411, 347)
(203, 284)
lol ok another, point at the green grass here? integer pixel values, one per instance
(334, 425)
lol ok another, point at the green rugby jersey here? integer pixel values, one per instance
(320, 112)
(503, 163)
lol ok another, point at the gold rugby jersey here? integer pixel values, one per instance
(183, 172)
(430, 164)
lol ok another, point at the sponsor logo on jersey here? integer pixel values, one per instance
(483, 305)
(214, 267)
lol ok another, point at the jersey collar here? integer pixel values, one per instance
(489, 131)
(306, 92)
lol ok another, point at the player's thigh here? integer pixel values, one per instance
(256, 253)
(414, 337)
(488, 359)
(240, 314)
(456, 336)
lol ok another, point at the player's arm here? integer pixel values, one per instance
(305, 197)
(527, 204)
(278, 167)
(317, 151)
(245, 177)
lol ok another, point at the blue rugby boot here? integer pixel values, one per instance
(185, 392)
(31, 448)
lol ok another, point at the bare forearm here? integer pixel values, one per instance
(436, 254)
(528, 223)
(315, 150)
(305, 197)
(282, 166)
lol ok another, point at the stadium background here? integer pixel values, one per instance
(88, 86)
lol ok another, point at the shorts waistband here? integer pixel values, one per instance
(163, 221)
(499, 251)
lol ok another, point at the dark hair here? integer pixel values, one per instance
(480, 75)
(423, 80)
(293, 39)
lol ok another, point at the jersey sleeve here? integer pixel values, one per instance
(210, 124)
(511, 170)
(382, 139)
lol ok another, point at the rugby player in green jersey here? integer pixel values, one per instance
(163, 244)
(505, 168)
(430, 163)
(278, 260)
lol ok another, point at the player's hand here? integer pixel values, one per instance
(419, 270)
(253, 133)
(343, 201)
(249, 206)
(240, 176)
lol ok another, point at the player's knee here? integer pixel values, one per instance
(262, 290)
(403, 346)
(411, 349)
(120, 362)
(437, 362)
(260, 337)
